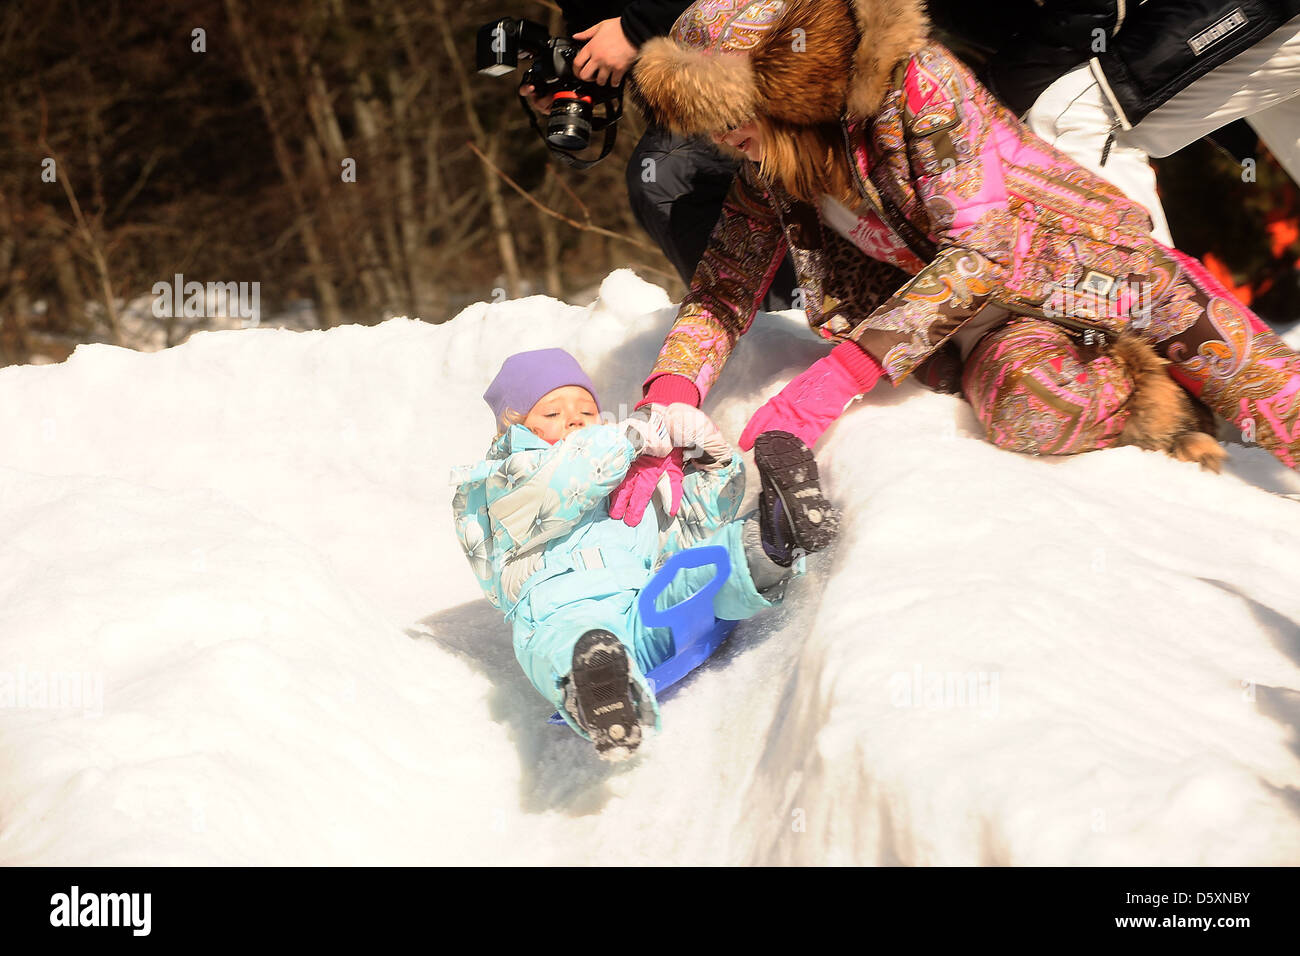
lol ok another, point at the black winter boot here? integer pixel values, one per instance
(794, 515)
(601, 697)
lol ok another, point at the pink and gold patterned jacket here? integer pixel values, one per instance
(981, 212)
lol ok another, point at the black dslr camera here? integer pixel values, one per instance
(569, 127)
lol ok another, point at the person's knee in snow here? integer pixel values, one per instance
(1038, 390)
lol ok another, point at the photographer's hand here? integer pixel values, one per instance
(542, 104)
(607, 54)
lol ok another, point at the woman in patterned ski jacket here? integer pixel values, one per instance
(934, 235)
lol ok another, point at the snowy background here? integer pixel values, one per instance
(236, 627)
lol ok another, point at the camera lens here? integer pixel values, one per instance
(569, 126)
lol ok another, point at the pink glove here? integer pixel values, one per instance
(630, 499)
(811, 403)
(633, 494)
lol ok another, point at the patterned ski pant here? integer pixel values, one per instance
(1035, 388)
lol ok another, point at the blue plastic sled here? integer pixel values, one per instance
(695, 631)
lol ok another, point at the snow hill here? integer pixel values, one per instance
(236, 627)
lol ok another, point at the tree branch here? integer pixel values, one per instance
(585, 227)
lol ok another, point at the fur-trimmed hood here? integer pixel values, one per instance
(818, 61)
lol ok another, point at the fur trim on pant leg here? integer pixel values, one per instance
(1163, 416)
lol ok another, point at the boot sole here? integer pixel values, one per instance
(603, 692)
(788, 469)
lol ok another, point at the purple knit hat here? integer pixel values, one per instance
(526, 376)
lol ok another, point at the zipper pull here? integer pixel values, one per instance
(1110, 139)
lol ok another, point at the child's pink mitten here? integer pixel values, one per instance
(630, 498)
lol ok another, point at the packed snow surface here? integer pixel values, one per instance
(236, 627)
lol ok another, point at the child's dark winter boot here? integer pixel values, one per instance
(600, 696)
(794, 515)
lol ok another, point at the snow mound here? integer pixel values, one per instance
(236, 628)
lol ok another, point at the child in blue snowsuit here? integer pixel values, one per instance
(533, 520)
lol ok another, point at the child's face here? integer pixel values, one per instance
(561, 411)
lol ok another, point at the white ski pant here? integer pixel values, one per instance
(1072, 115)
(1261, 84)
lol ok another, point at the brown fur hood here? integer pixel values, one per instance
(841, 63)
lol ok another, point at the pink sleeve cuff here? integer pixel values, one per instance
(668, 388)
(866, 371)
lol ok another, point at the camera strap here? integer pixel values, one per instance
(564, 156)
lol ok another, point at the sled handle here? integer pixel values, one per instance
(689, 619)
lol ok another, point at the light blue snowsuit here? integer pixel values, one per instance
(534, 522)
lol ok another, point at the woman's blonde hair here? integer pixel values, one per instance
(809, 161)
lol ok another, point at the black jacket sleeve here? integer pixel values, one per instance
(641, 19)
(1073, 24)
